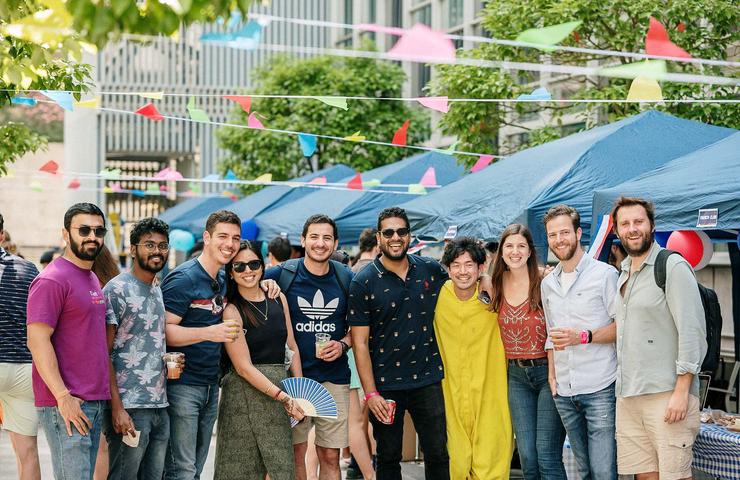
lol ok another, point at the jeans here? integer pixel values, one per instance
(538, 429)
(427, 409)
(193, 410)
(589, 421)
(72, 458)
(146, 461)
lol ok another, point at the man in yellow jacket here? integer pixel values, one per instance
(479, 432)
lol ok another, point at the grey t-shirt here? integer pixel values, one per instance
(137, 309)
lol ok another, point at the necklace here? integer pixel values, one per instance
(267, 308)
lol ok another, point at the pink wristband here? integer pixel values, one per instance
(368, 396)
(584, 336)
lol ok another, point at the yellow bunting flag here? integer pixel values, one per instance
(339, 102)
(92, 103)
(355, 137)
(36, 186)
(645, 89)
(265, 178)
(417, 188)
(152, 95)
(373, 182)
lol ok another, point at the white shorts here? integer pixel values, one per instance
(16, 397)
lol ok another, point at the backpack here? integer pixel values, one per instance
(289, 268)
(712, 314)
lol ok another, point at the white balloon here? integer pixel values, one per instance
(707, 252)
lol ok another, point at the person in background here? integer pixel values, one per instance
(479, 434)
(254, 436)
(369, 249)
(617, 254)
(278, 251)
(9, 245)
(48, 256)
(538, 429)
(16, 391)
(67, 339)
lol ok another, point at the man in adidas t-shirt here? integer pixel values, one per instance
(316, 289)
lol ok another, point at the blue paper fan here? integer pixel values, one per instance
(314, 399)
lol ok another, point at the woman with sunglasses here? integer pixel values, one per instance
(254, 436)
(516, 279)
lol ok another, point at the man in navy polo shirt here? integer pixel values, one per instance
(391, 312)
(316, 290)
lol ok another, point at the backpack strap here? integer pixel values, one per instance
(344, 276)
(288, 270)
(659, 271)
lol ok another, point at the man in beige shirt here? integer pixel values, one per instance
(661, 342)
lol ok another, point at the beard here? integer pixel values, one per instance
(568, 255)
(81, 253)
(644, 246)
(386, 252)
(144, 264)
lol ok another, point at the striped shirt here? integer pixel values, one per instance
(16, 275)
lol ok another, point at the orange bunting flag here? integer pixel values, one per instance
(50, 167)
(150, 111)
(658, 43)
(74, 184)
(355, 183)
(399, 138)
(243, 100)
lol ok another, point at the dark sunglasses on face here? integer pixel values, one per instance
(388, 232)
(85, 231)
(240, 267)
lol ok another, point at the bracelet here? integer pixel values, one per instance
(345, 347)
(368, 396)
(584, 337)
(277, 394)
(61, 394)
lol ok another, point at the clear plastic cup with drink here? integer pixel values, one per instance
(322, 340)
(392, 415)
(174, 361)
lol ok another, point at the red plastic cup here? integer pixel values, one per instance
(392, 405)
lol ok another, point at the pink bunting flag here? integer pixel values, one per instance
(483, 162)
(168, 174)
(429, 179)
(422, 43)
(355, 183)
(374, 27)
(254, 122)
(50, 167)
(243, 100)
(150, 111)
(318, 181)
(439, 104)
(399, 138)
(658, 43)
(74, 184)
(163, 188)
(116, 188)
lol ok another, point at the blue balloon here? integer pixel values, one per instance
(662, 238)
(182, 240)
(250, 230)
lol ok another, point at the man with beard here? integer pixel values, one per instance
(66, 336)
(579, 298)
(316, 289)
(661, 343)
(391, 312)
(136, 322)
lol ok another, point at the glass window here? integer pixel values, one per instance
(455, 13)
(423, 15)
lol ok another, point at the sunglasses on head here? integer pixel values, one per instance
(85, 231)
(402, 232)
(240, 267)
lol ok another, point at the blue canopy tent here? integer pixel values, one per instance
(178, 216)
(269, 197)
(522, 187)
(357, 209)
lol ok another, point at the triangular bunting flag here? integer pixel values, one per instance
(150, 111)
(355, 137)
(355, 183)
(339, 102)
(318, 181)
(439, 104)
(50, 167)
(91, 103)
(307, 143)
(194, 187)
(422, 43)
(214, 177)
(645, 89)
(152, 188)
(548, 36)
(197, 114)
(151, 95)
(417, 188)
(74, 184)
(538, 94)
(244, 101)
(230, 175)
(138, 193)
(63, 99)
(449, 150)
(399, 138)
(657, 42)
(28, 101)
(36, 186)
(429, 179)
(373, 182)
(649, 68)
(483, 162)
(168, 174)
(254, 122)
(110, 174)
(264, 178)
(116, 188)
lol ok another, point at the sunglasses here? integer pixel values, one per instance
(85, 231)
(217, 302)
(240, 267)
(402, 232)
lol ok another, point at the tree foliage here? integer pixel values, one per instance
(705, 28)
(253, 153)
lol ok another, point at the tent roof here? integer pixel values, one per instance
(355, 209)
(522, 187)
(706, 178)
(178, 215)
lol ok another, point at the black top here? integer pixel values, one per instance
(400, 314)
(266, 341)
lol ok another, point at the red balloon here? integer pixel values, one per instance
(688, 244)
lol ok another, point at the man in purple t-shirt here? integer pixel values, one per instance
(67, 339)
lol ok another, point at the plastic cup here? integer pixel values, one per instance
(322, 340)
(172, 359)
(392, 416)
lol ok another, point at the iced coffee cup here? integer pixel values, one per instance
(174, 361)
(322, 340)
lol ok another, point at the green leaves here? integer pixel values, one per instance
(16, 140)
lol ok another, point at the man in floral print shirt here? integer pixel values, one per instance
(136, 326)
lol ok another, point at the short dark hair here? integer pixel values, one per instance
(83, 208)
(222, 216)
(491, 246)
(279, 247)
(320, 218)
(393, 212)
(461, 245)
(631, 202)
(559, 210)
(148, 225)
(368, 240)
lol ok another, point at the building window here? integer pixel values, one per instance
(455, 13)
(458, 42)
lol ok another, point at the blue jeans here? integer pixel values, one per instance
(589, 421)
(146, 461)
(193, 410)
(538, 429)
(72, 458)
(426, 405)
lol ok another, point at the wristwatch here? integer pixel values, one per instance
(345, 347)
